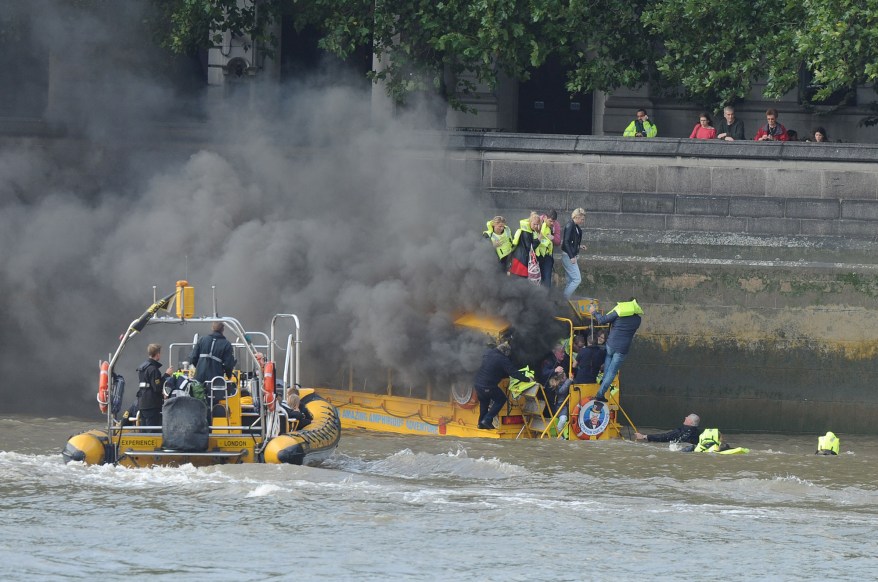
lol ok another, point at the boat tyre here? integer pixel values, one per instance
(580, 416)
(465, 398)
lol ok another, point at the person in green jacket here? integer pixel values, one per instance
(641, 126)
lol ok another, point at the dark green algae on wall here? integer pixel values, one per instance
(750, 343)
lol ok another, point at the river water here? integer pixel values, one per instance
(415, 508)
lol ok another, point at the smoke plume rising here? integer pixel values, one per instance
(303, 202)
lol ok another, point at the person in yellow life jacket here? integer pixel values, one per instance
(624, 320)
(551, 232)
(641, 126)
(501, 237)
(710, 441)
(527, 240)
(827, 444)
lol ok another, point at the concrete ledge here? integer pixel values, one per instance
(663, 147)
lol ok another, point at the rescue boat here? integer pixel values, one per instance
(453, 411)
(245, 424)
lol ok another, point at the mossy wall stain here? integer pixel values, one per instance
(749, 348)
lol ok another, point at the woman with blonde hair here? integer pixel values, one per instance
(525, 243)
(571, 240)
(501, 237)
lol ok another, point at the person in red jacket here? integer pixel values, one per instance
(704, 129)
(772, 130)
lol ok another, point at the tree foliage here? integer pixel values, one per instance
(712, 51)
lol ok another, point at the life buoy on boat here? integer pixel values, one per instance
(269, 398)
(463, 399)
(587, 422)
(104, 387)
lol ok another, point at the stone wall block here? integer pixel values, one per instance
(859, 209)
(775, 226)
(651, 222)
(858, 229)
(649, 203)
(863, 185)
(707, 224)
(782, 183)
(825, 209)
(594, 202)
(516, 174)
(702, 205)
(726, 181)
(683, 180)
(756, 207)
(565, 176)
(621, 178)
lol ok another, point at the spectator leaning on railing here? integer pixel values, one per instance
(641, 126)
(772, 130)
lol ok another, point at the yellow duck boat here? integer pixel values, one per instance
(246, 424)
(453, 411)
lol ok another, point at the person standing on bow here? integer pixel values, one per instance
(149, 393)
(624, 320)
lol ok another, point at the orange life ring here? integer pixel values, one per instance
(578, 425)
(104, 387)
(270, 398)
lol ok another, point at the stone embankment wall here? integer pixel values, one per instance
(755, 264)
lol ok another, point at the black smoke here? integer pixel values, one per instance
(299, 199)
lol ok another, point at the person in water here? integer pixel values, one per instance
(688, 433)
(827, 444)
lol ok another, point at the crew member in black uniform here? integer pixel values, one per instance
(496, 365)
(213, 355)
(149, 393)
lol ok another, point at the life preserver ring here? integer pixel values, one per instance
(269, 398)
(465, 400)
(104, 387)
(586, 422)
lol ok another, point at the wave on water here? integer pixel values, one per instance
(406, 464)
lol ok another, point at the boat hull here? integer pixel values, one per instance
(415, 416)
(133, 448)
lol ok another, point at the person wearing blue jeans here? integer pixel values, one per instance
(624, 320)
(571, 240)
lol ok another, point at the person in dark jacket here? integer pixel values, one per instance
(571, 240)
(213, 355)
(496, 365)
(688, 433)
(624, 320)
(149, 393)
(589, 361)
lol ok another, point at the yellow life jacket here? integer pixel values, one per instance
(710, 441)
(516, 386)
(828, 443)
(546, 247)
(505, 239)
(627, 308)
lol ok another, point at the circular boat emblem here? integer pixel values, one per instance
(592, 420)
